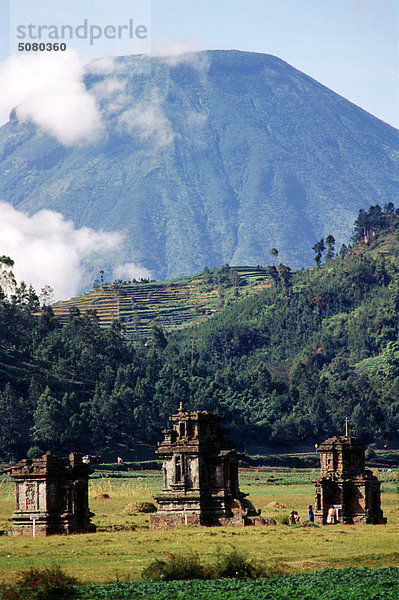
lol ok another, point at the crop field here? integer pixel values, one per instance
(123, 545)
(351, 584)
(171, 304)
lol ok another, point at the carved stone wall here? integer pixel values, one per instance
(51, 496)
(344, 483)
(200, 475)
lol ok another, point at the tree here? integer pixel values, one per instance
(274, 254)
(46, 295)
(319, 248)
(272, 273)
(158, 338)
(14, 424)
(236, 278)
(285, 276)
(330, 242)
(49, 422)
(389, 208)
(368, 224)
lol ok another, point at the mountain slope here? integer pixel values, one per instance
(170, 304)
(214, 158)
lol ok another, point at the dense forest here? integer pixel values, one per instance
(285, 366)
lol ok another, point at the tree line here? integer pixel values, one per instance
(285, 367)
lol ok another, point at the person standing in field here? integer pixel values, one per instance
(310, 514)
(331, 515)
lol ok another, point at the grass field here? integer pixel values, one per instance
(124, 545)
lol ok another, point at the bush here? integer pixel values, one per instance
(45, 584)
(283, 519)
(176, 566)
(236, 565)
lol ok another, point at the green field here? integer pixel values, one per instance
(124, 545)
(351, 584)
(172, 304)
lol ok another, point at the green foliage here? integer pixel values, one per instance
(370, 223)
(236, 565)
(285, 366)
(175, 566)
(178, 566)
(318, 248)
(41, 584)
(329, 584)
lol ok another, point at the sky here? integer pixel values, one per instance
(351, 46)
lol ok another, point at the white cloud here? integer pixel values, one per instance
(48, 249)
(197, 119)
(149, 121)
(145, 119)
(102, 66)
(129, 271)
(48, 90)
(175, 52)
(111, 94)
(115, 67)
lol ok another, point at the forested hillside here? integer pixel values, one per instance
(285, 367)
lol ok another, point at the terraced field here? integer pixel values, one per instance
(171, 304)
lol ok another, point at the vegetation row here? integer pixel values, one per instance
(329, 584)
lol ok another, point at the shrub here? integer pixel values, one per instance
(236, 565)
(45, 584)
(284, 519)
(176, 566)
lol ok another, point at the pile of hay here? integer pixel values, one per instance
(275, 505)
(140, 507)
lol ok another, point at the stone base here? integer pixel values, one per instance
(359, 519)
(45, 527)
(169, 520)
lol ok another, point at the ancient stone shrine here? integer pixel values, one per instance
(51, 496)
(346, 485)
(200, 475)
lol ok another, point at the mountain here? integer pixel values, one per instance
(212, 158)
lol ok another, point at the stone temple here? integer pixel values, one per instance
(200, 475)
(51, 496)
(345, 484)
